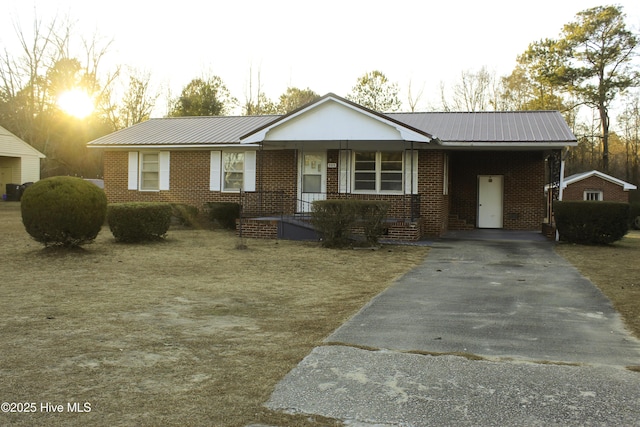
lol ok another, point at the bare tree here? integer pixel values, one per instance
(413, 101)
(475, 91)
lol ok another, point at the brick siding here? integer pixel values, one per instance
(610, 192)
(277, 173)
(523, 172)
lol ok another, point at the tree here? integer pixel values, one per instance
(295, 98)
(31, 81)
(203, 97)
(474, 92)
(374, 91)
(136, 104)
(630, 124)
(534, 84)
(597, 50)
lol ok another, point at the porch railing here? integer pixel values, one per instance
(278, 203)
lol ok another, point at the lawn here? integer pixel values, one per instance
(190, 331)
(615, 269)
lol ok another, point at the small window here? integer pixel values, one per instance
(593, 195)
(233, 171)
(150, 171)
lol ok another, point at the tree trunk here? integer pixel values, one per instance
(604, 120)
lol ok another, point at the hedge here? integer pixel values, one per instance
(63, 211)
(224, 213)
(138, 221)
(335, 220)
(591, 222)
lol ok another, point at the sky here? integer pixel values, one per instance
(323, 45)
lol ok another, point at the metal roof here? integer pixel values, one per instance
(450, 129)
(199, 130)
(492, 126)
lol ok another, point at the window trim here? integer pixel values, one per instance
(217, 171)
(585, 195)
(378, 173)
(135, 171)
(141, 171)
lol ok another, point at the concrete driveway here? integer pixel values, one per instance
(553, 349)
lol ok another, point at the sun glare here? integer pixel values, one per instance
(76, 102)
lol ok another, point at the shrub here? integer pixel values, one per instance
(372, 214)
(634, 216)
(136, 222)
(589, 222)
(224, 213)
(335, 219)
(184, 214)
(63, 211)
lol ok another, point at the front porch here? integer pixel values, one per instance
(276, 215)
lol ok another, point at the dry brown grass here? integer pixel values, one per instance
(190, 331)
(615, 269)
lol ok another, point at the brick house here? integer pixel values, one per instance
(439, 171)
(596, 185)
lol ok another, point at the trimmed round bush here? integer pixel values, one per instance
(63, 211)
(139, 221)
(591, 222)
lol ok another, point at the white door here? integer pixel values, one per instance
(490, 201)
(312, 183)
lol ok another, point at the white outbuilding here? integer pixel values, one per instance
(19, 162)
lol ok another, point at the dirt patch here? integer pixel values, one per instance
(190, 331)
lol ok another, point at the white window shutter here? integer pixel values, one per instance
(250, 171)
(411, 172)
(164, 170)
(344, 179)
(215, 171)
(133, 170)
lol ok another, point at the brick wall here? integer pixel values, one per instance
(189, 178)
(610, 192)
(523, 172)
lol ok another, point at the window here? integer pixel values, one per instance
(149, 171)
(233, 171)
(378, 171)
(312, 173)
(593, 195)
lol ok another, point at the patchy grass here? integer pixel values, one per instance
(615, 270)
(189, 331)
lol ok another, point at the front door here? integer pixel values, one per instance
(490, 191)
(312, 182)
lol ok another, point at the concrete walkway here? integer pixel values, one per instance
(554, 351)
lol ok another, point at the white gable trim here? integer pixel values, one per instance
(404, 133)
(579, 177)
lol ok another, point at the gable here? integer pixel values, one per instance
(12, 146)
(335, 119)
(573, 179)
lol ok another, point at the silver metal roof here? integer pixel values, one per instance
(198, 130)
(455, 129)
(498, 126)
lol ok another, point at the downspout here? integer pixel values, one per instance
(411, 186)
(560, 189)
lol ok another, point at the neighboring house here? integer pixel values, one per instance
(439, 171)
(595, 185)
(19, 162)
